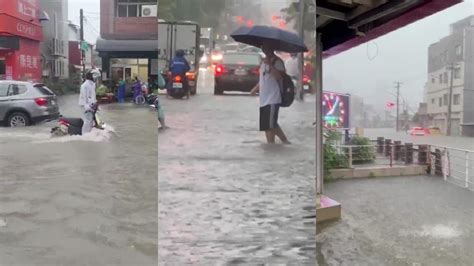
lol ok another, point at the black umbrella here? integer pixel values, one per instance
(278, 39)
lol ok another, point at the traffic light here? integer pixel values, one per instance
(249, 23)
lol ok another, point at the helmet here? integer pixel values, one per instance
(179, 53)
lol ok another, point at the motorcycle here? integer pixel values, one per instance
(178, 87)
(73, 126)
(307, 87)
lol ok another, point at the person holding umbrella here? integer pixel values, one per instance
(272, 72)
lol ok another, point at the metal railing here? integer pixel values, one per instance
(453, 164)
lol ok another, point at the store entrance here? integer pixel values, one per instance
(2, 69)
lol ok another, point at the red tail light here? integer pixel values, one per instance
(219, 70)
(191, 75)
(256, 71)
(177, 78)
(306, 79)
(41, 101)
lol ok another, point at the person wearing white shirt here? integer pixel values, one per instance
(87, 99)
(271, 73)
(291, 66)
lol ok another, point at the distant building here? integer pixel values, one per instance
(75, 53)
(457, 48)
(20, 37)
(128, 43)
(55, 48)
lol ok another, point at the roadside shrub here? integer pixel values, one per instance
(363, 154)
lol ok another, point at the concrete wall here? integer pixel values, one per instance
(56, 27)
(132, 28)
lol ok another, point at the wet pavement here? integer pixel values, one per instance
(226, 197)
(398, 221)
(80, 200)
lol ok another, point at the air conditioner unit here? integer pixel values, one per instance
(149, 10)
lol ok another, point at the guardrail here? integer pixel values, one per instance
(453, 164)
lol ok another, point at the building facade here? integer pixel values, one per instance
(55, 48)
(20, 37)
(452, 57)
(128, 43)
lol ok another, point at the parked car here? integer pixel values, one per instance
(419, 131)
(25, 103)
(238, 71)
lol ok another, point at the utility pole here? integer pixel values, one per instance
(397, 84)
(301, 55)
(450, 101)
(80, 45)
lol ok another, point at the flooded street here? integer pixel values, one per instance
(226, 197)
(398, 221)
(80, 200)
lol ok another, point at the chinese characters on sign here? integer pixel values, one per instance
(28, 61)
(27, 8)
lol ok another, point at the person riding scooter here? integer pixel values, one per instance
(179, 67)
(88, 101)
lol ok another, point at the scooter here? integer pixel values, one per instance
(307, 87)
(73, 126)
(178, 87)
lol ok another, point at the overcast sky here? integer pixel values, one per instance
(91, 12)
(401, 56)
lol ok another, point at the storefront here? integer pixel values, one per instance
(20, 37)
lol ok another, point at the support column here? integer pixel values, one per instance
(319, 117)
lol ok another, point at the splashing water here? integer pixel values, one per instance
(95, 135)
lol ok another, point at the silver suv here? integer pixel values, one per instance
(25, 103)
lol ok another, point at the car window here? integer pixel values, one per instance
(15, 89)
(44, 90)
(3, 89)
(241, 59)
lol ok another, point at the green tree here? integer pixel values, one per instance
(292, 15)
(205, 12)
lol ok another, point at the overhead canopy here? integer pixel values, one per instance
(345, 24)
(103, 45)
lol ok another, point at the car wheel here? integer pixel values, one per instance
(218, 91)
(18, 120)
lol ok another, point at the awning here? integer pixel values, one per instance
(345, 24)
(103, 45)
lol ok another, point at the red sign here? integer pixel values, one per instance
(19, 27)
(26, 10)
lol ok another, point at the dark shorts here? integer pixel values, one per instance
(269, 117)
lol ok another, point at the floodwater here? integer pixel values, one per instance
(419, 220)
(80, 200)
(226, 197)
(466, 143)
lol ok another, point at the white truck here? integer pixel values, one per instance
(179, 35)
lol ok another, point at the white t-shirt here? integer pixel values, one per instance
(269, 85)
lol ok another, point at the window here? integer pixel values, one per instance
(457, 73)
(3, 89)
(132, 8)
(433, 101)
(459, 50)
(15, 89)
(440, 101)
(445, 77)
(440, 78)
(457, 99)
(236, 59)
(445, 99)
(433, 80)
